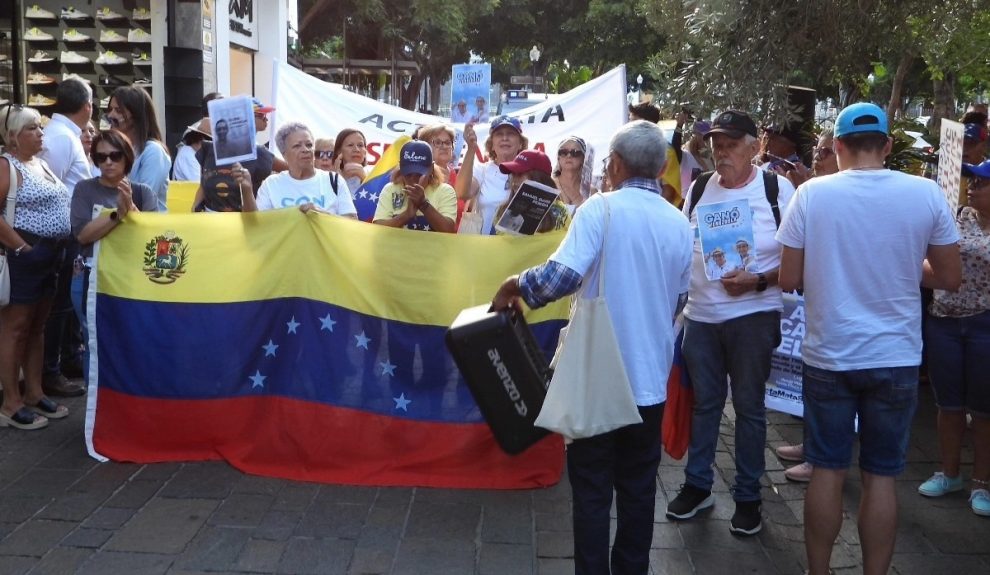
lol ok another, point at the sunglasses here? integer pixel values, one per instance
(99, 157)
(571, 153)
(10, 108)
(324, 154)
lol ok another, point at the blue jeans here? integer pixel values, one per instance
(958, 362)
(737, 350)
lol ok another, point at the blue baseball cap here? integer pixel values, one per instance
(977, 170)
(503, 120)
(975, 132)
(415, 157)
(861, 118)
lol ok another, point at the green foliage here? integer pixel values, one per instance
(564, 77)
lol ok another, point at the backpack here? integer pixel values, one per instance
(770, 186)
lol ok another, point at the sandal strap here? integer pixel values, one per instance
(24, 416)
(47, 405)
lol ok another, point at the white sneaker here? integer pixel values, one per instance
(74, 76)
(37, 35)
(104, 123)
(39, 78)
(73, 58)
(138, 36)
(41, 56)
(74, 35)
(110, 58)
(142, 82)
(107, 36)
(38, 12)
(71, 13)
(39, 100)
(141, 14)
(105, 103)
(141, 59)
(106, 13)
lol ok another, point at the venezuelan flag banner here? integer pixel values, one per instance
(366, 196)
(301, 346)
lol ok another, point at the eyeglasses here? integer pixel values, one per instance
(10, 108)
(114, 157)
(442, 143)
(570, 153)
(605, 162)
(823, 152)
(324, 154)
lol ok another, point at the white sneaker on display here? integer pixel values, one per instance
(107, 36)
(37, 35)
(73, 58)
(74, 35)
(71, 13)
(110, 58)
(141, 14)
(41, 56)
(38, 12)
(138, 36)
(106, 13)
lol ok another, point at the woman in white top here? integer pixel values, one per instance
(303, 185)
(486, 184)
(573, 173)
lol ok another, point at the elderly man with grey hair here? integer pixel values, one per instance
(732, 323)
(647, 245)
(302, 185)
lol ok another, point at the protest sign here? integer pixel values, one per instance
(950, 161)
(527, 209)
(470, 85)
(726, 233)
(784, 389)
(232, 125)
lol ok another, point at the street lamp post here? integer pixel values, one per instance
(534, 56)
(639, 87)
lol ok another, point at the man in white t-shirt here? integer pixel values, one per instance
(648, 254)
(863, 345)
(732, 326)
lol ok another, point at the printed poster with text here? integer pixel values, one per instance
(784, 389)
(726, 233)
(950, 161)
(469, 88)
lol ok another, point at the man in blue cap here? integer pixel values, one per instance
(862, 348)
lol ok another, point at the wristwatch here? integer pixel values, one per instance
(114, 216)
(761, 282)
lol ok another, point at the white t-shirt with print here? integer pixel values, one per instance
(647, 266)
(283, 191)
(865, 234)
(708, 302)
(493, 193)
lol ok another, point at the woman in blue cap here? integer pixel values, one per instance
(485, 184)
(417, 198)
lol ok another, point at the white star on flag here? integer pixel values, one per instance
(270, 348)
(293, 324)
(362, 340)
(328, 323)
(387, 367)
(257, 380)
(401, 402)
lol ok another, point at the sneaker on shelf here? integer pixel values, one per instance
(110, 58)
(747, 520)
(141, 14)
(73, 58)
(104, 123)
(71, 13)
(74, 35)
(689, 502)
(113, 81)
(41, 56)
(791, 452)
(106, 13)
(800, 472)
(141, 59)
(39, 13)
(39, 100)
(979, 502)
(37, 35)
(142, 82)
(138, 36)
(72, 76)
(940, 484)
(105, 103)
(107, 36)
(39, 78)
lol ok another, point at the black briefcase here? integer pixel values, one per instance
(505, 370)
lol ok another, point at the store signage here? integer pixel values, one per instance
(243, 23)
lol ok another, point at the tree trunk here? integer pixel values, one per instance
(434, 94)
(411, 94)
(945, 100)
(897, 87)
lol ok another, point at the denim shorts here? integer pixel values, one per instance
(959, 362)
(33, 274)
(884, 399)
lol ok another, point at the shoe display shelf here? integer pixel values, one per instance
(107, 45)
(7, 77)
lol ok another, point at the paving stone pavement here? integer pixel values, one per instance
(62, 512)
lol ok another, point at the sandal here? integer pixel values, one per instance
(24, 418)
(49, 409)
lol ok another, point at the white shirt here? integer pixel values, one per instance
(283, 191)
(647, 266)
(63, 151)
(708, 301)
(494, 191)
(865, 234)
(186, 168)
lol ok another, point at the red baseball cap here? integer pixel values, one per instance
(527, 160)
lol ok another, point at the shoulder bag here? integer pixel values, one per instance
(589, 393)
(471, 218)
(8, 215)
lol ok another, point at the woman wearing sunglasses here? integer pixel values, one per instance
(573, 172)
(33, 233)
(323, 154)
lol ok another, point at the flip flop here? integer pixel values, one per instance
(24, 418)
(49, 409)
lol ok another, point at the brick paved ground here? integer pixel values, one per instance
(61, 512)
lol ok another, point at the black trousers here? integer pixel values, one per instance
(58, 335)
(624, 461)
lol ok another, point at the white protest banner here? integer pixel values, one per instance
(594, 111)
(784, 390)
(950, 161)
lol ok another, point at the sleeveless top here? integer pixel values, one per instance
(42, 206)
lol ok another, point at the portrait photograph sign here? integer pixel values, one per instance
(469, 88)
(726, 233)
(527, 209)
(232, 124)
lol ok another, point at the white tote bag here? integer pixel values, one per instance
(589, 393)
(471, 218)
(8, 215)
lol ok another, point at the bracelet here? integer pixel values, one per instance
(424, 205)
(17, 252)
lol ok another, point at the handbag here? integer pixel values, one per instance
(8, 216)
(471, 219)
(589, 393)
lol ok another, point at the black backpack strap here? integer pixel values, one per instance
(697, 189)
(772, 189)
(333, 181)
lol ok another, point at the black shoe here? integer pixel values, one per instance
(58, 386)
(747, 519)
(689, 502)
